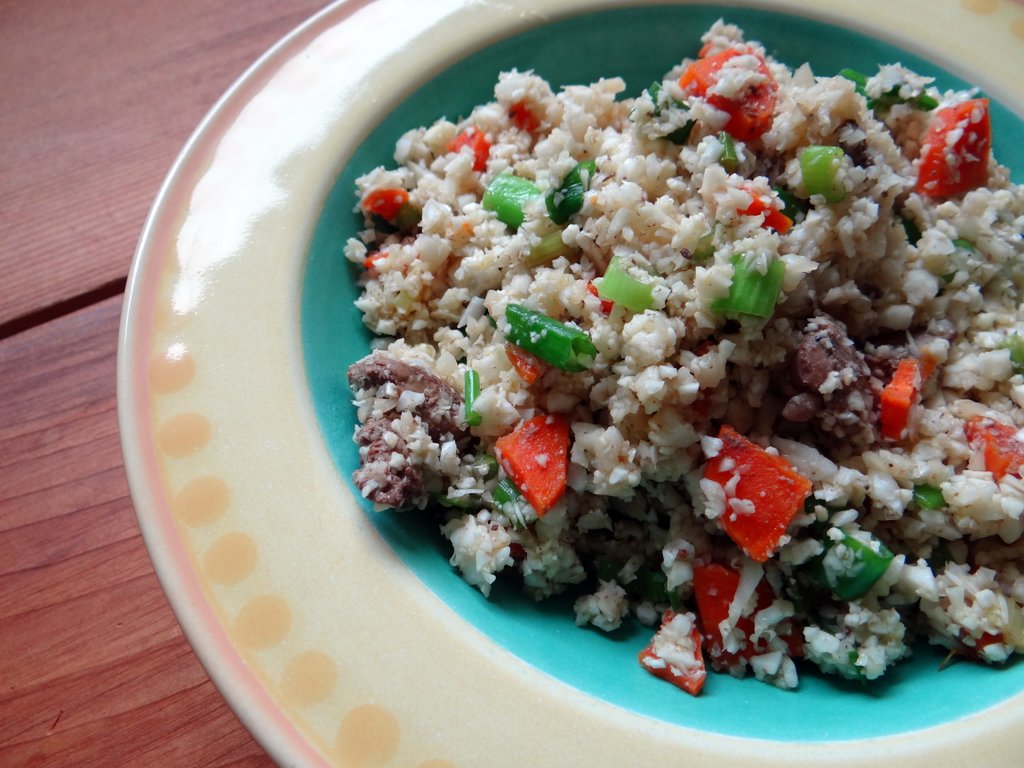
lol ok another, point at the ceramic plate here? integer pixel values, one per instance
(341, 636)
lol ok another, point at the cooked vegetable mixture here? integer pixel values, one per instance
(740, 356)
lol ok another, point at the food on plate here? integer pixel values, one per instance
(739, 355)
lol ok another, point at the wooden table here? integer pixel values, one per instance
(98, 97)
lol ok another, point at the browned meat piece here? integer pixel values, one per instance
(378, 479)
(803, 407)
(834, 383)
(439, 410)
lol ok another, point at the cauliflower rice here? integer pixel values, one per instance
(828, 470)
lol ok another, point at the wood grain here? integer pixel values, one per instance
(98, 99)
(94, 670)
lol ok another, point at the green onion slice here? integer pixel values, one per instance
(568, 198)
(506, 195)
(471, 380)
(819, 166)
(851, 566)
(929, 497)
(621, 287)
(558, 344)
(548, 249)
(751, 292)
(1015, 343)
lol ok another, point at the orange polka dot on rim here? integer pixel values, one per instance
(983, 7)
(309, 678)
(231, 558)
(367, 737)
(263, 622)
(1017, 27)
(171, 371)
(201, 501)
(184, 434)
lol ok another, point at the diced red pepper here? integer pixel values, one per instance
(1003, 451)
(763, 493)
(477, 142)
(523, 117)
(529, 367)
(750, 113)
(955, 151)
(774, 218)
(606, 305)
(370, 262)
(690, 679)
(714, 587)
(386, 202)
(536, 458)
(898, 397)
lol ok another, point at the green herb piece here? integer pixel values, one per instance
(471, 380)
(619, 286)
(506, 195)
(1015, 343)
(568, 198)
(793, 206)
(729, 159)
(561, 345)
(929, 497)
(681, 134)
(819, 166)
(751, 292)
(705, 246)
(912, 230)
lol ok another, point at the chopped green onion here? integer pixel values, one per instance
(819, 166)
(793, 206)
(1015, 344)
(454, 502)
(705, 246)
(751, 292)
(548, 249)
(912, 230)
(619, 286)
(929, 497)
(682, 134)
(511, 503)
(891, 97)
(850, 566)
(486, 466)
(506, 492)
(859, 79)
(729, 159)
(561, 345)
(408, 217)
(472, 387)
(964, 245)
(568, 198)
(506, 195)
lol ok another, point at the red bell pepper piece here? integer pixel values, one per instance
(899, 395)
(764, 493)
(954, 155)
(536, 458)
(528, 366)
(691, 677)
(523, 117)
(751, 112)
(385, 203)
(1003, 451)
(477, 142)
(774, 218)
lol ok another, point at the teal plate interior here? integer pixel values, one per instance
(640, 44)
